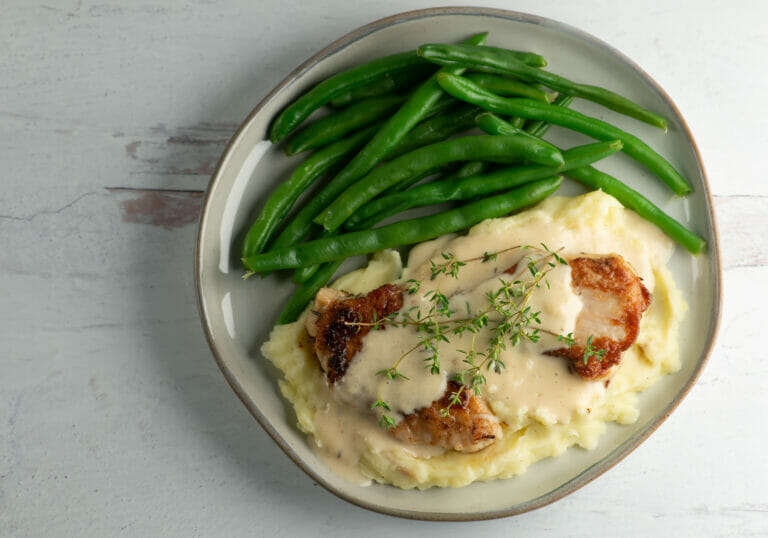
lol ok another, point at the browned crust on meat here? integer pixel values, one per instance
(611, 275)
(594, 367)
(337, 338)
(469, 427)
(511, 270)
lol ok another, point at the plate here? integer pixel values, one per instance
(237, 315)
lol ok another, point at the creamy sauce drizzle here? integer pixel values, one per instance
(532, 384)
(531, 381)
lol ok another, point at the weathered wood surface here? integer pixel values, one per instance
(114, 419)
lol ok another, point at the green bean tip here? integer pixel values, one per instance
(273, 135)
(482, 115)
(698, 248)
(421, 50)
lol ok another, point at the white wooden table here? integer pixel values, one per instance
(114, 419)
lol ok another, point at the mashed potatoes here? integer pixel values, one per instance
(544, 408)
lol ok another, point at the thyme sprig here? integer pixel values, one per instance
(590, 350)
(507, 314)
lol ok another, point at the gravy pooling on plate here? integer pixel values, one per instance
(540, 403)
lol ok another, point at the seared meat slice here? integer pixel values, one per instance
(470, 427)
(336, 340)
(614, 299)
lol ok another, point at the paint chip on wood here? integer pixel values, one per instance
(164, 208)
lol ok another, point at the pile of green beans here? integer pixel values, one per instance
(402, 134)
(502, 149)
(404, 232)
(468, 91)
(500, 61)
(391, 133)
(469, 187)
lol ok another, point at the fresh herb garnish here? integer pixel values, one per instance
(590, 351)
(507, 315)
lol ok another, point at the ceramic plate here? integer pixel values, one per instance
(237, 315)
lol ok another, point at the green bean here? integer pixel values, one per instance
(506, 87)
(436, 129)
(466, 188)
(393, 131)
(302, 274)
(466, 90)
(391, 203)
(404, 232)
(389, 83)
(531, 59)
(298, 301)
(335, 126)
(635, 201)
(285, 195)
(503, 149)
(539, 128)
(360, 75)
(500, 61)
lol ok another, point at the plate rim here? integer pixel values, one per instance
(592, 472)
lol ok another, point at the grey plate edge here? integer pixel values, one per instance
(617, 454)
